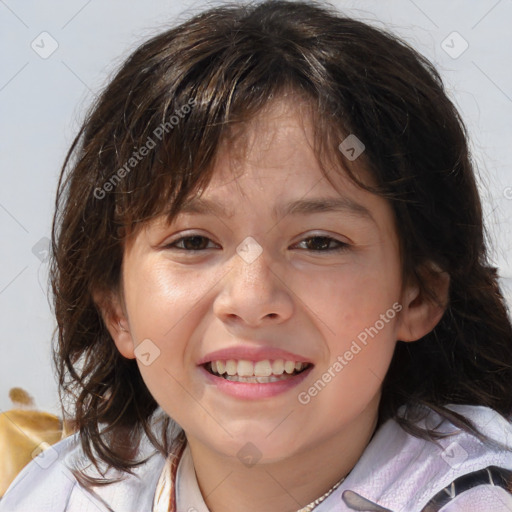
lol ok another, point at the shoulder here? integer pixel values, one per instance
(45, 481)
(449, 470)
(401, 472)
(48, 484)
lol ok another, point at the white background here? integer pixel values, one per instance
(43, 100)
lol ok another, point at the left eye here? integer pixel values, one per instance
(322, 244)
(192, 243)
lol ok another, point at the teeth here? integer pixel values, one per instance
(259, 371)
(263, 368)
(255, 380)
(289, 367)
(245, 368)
(231, 367)
(278, 367)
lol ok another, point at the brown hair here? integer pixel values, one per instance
(226, 64)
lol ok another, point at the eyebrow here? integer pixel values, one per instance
(327, 204)
(298, 207)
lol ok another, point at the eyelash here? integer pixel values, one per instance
(341, 246)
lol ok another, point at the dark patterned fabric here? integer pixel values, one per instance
(491, 475)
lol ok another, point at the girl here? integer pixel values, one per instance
(271, 283)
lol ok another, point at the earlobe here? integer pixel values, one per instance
(116, 322)
(422, 312)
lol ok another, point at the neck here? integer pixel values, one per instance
(286, 485)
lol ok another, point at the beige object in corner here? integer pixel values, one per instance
(24, 433)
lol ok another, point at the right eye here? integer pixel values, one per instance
(192, 243)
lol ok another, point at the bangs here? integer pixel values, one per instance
(162, 127)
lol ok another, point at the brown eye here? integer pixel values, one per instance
(322, 244)
(318, 243)
(191, 243)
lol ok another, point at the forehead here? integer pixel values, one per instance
(281, 132)
(277, 153)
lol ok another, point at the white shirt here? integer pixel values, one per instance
(397, 472)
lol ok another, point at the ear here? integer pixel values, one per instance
(115, 318)
(421, 313)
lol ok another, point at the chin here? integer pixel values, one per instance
(254, 445)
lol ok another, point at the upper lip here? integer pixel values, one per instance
(251, 354)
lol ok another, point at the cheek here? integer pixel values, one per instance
(169, 309)
(163, 301)
(357, 314)
(358, 308)
(351, 298)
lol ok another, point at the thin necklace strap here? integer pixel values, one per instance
(314, 504)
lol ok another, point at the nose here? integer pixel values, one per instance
(253, 294)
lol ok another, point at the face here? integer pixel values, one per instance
(268, 311)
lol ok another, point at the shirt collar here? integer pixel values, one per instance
(188, 494)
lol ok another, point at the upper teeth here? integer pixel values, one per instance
(265, 368)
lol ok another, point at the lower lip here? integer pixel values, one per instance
(253, 391)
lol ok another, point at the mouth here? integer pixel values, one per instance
(256, 372)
